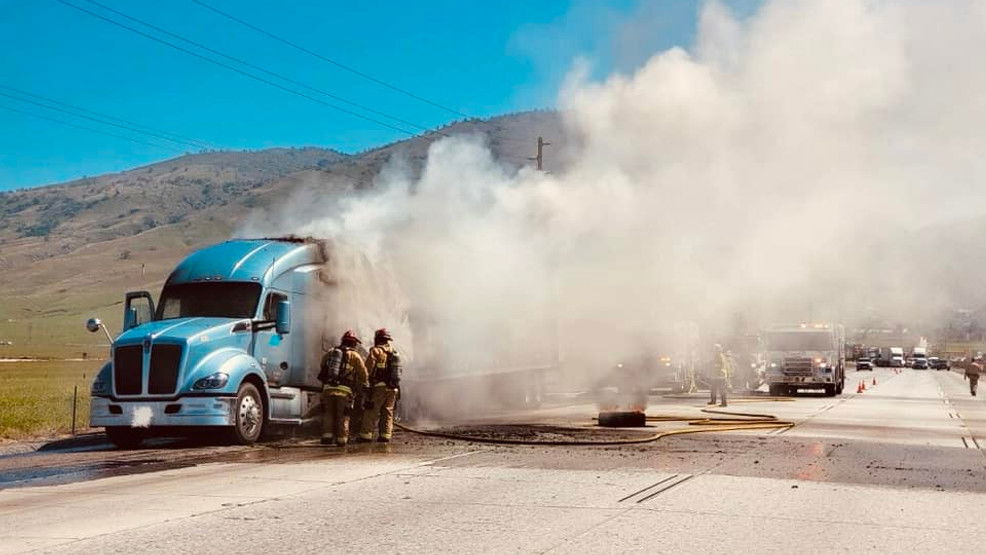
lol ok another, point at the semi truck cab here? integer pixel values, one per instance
(227, 345)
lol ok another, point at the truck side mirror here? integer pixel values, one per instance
(95, 324)
(129, 318)
(282, 317)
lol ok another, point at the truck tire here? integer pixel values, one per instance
(830, 390)
(775, 390)
(249, 413)
(124, 437)
(840, 386)
(622, 419)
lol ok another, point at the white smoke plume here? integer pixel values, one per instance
(802, 163)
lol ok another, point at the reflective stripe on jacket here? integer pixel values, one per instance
(722, 366)
(340, 390)
(353, 371)
(376, 364)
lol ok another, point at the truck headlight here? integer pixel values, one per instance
(773, 365)
(99, 388)
(212, 381)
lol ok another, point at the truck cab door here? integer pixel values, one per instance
(271, 349)
(138, 308)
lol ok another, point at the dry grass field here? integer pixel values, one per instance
(36, 397)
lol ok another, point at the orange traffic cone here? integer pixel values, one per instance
(859, 388)
(864, 385)
(874, 380)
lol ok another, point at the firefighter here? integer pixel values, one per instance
(718, 376)
(343, 378)
(383, 364)
(972, 371)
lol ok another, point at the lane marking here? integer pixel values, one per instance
(810, 416)
(666, 488)
(659, 482)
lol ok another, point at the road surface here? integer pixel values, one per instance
(898, 467)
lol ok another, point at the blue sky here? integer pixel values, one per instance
(480, 58)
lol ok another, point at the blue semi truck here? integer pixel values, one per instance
(221, 348)
(236, 337)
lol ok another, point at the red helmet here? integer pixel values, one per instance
(382, 335)
(350, 338)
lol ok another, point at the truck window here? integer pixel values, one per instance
(800, 341)
(228, 299)
(270, 306)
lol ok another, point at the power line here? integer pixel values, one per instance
(326, 59)
(234, 69)
(97, 120)
(189, 140)
(258, 68)
(92, 129)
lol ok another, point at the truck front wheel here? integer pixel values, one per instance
(830, 390)
(249, 411)
(125, 437)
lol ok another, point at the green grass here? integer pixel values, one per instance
(962, 348)
(36, 397)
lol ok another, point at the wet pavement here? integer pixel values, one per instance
(900, 464)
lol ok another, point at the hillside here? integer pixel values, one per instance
(69, 251)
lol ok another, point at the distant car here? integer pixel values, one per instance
(864, 363)
(936, 363)
(919, 364)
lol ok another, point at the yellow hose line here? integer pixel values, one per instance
(753, 422)
(738, 399)
(744, 414)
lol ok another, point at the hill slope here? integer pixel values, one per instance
(69, 251)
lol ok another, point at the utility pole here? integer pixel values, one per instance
(540, 157)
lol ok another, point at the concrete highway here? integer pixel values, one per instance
(899, 467)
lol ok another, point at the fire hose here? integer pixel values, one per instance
(739, 421)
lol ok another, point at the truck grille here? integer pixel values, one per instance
(127, 362)
(163, 378)
(797, 367)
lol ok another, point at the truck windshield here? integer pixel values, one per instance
(799, 341)
(209, 298)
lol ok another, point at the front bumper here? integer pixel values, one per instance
(803, 381)
(184, 411)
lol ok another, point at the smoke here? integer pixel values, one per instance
(806, 162)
